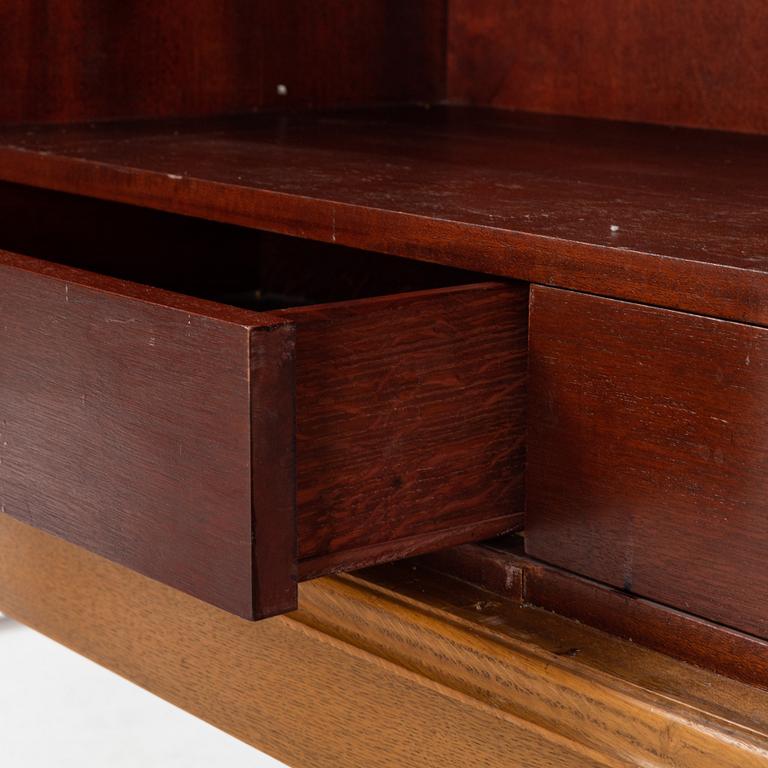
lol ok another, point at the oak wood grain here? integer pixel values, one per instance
(646, 457)
(501, 566)
(410, 422)
(685, 62)
(409, 664)
(152, 428)
(658, 215)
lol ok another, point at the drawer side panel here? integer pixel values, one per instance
(410, 413)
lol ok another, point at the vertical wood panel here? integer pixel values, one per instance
(153, 429)
(75, 60)
(648, 453)
(410, 422)
(69, 60)
(690, 62)
(338, 52)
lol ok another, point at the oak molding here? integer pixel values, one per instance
(399, 666)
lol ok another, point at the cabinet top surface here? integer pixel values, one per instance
(668, 216)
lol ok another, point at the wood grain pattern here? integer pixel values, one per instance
(410, 422)
(341, 53)
(685, 62)
(489, 565)
(405, 662)
(77, 60)
(154, 429)
(501, 566)
(531, 198)
(647, 453)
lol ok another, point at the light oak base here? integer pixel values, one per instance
(400, 668)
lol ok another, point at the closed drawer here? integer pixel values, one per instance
(230, 452)
(648, 453)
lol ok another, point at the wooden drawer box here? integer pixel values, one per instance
(648, 453)
(229, 452)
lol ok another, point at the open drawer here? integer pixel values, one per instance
(230, 452)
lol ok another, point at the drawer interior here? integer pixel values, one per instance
(207, 259)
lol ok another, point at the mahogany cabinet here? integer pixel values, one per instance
(290, 289)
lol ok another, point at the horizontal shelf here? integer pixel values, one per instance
(673, 217)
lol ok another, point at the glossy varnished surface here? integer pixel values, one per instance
(664, 216)
(647, 453)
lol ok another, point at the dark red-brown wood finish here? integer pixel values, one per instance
(665, 216)
(157, 429)
(647, 453)
(410, 423)
(380, 383)
(70, 60)
(408, 431)
(152, 428)
(199, 257)
(684, 62)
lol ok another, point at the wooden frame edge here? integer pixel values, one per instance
(397, 667)
(503, 568)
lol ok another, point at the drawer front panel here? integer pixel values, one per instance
(648, 453)
(153, 429)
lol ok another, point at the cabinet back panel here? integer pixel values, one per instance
(77, 60)
(683, 62)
